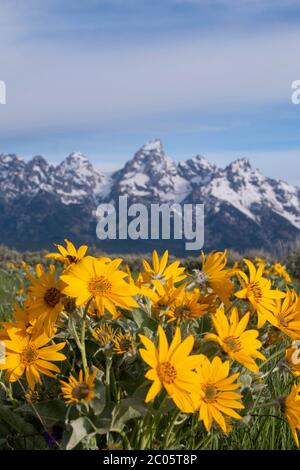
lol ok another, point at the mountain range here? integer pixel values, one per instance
(41, 203)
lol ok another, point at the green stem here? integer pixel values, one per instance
(36, 412)
(124, 437)
(107, 377)
(82, 337)
(169, 431)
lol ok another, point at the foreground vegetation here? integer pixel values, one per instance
(163, 354)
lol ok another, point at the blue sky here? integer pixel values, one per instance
(104, 76)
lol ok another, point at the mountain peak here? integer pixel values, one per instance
(78, 158)
(38, 160)
(7, 158)
(154, 145)
(197, 169)
(76, 162)
(240, 164)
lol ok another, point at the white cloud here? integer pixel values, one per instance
(85, 85)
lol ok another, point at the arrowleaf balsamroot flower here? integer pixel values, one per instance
(285, 315)
(101, 280)
(68, 255)
(240, 344)
(216, 395)
(161, 270)
(257, 290)
(79, 390)
(172, 368)
(123, 343)
(103, 334)
(31, 356)
(282, 272)
(290, 406)
(214, 275)
(45, 299)
(187, 306)
(21, 323)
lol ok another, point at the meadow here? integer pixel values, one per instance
(108, 353)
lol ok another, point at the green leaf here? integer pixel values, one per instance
(51, 411)
(143, 320)
(26, 435)
(127, 409)
(81, 429)
(15, 422)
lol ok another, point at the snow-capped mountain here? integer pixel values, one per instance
(42, 203)
(150, 176)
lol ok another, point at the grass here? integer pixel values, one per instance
(10, 283)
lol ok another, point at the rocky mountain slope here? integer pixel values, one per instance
(41, 203)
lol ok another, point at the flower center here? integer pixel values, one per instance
(182, 313)
(29, 355)
(125, 344)
(52, 297)
(166, 372)
(81, 391)
(71, 259)
(99, 286)
(233, 343)
(255, 290)
(103, 335)
(210, 392)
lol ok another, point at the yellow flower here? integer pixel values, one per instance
(240, 344)
(171, 368)
(290, 406)
(257, 290)
(145, 290)
(103, 334)
(281, 271)
(161, 270)
(11, 266)
(286, 315)
(215, 275)
(79, 390)
(68, 255)
(259, 261)
(30, 356)
(122, 343)
(186, 306)
(292, 356)
(101, 280)
(22, 324)
(45, 301)
(215, 395)
(165, 296)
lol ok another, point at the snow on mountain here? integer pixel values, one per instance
(11, 175)
(248, 191)
(197, 170)
(151, 175)
(235, 195)
(76, 178)
(72, 180)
